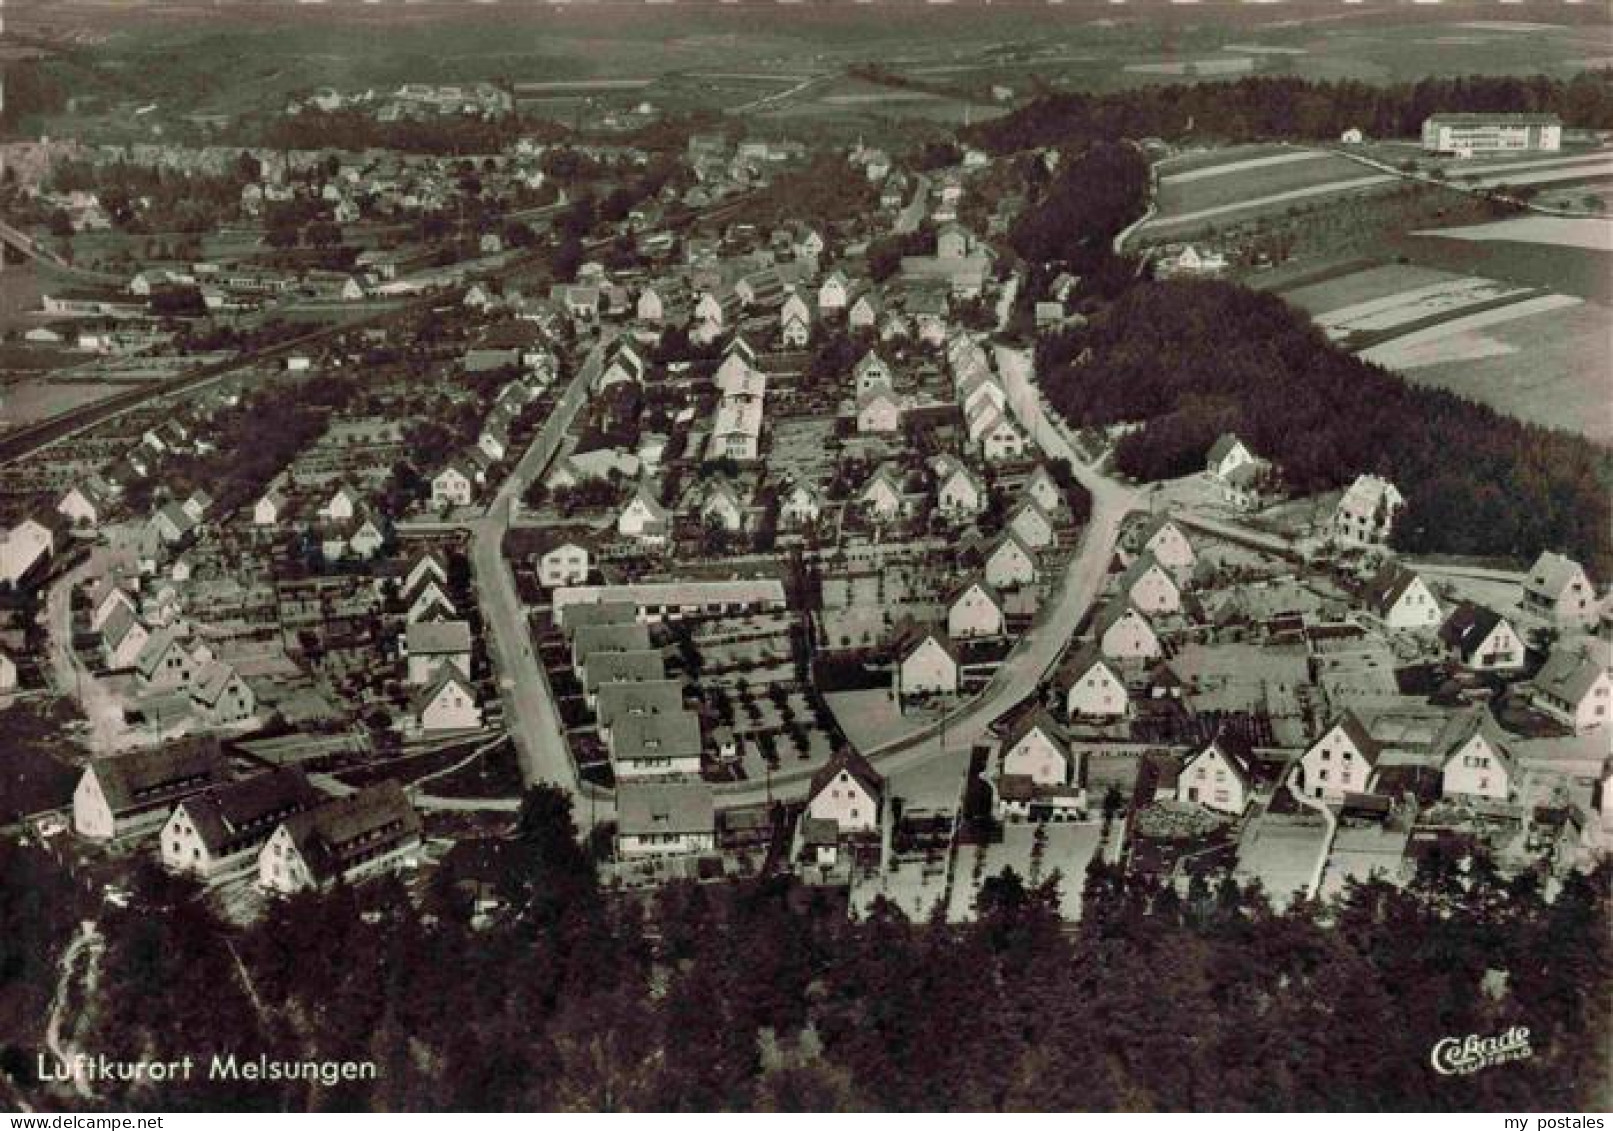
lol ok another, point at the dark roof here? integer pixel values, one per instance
(1037, 719)
(1467, 627)
(1387, 586)
(232, 818)
(644, 666)
(1460, 728)
(1233, 749)
(852, 763)
(346, 831)
(596, 639)
(573, 617)
(620, 700)
(149, 778)
(667, 734)
(1568, 675)
(1359, 737)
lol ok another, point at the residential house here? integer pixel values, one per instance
(1037, 747)
(1010, 564)
(665, 744)
(165, 662)
(1482, 640)
(1165, 540)
(431, 646)
(879, 412)
(347, 840)
(723, 507)
(454, 485)
(1043, 491)
(447, 703)
(135, 793)
(216, 833)
(1402, 600)
(1367, 511)
(86, 503)
(271, 508)
(123, 638)
(847, 791)
(1558, 590)
(975, 611)
(342, 504)
(1218, 776)
(1226, 454)
(567, 562)
(26, 547)
(664, 819)
(644, 519)
(1125, 634)
(220, 697)
(625, 365)
(926, 665)
(1149, 587)
(1031, 525)
(1093, 688)
(1344, 760)
(882, 497)
(800, 505)
(959, 493)
(1574, 688)
(872, 374)
(112, 597)
(1474, 761)
(834, 293)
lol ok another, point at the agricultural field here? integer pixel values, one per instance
(1499, 312)
(1246, 182)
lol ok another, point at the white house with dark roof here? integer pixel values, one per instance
(1226, 454)
(348, 839)
(644, 519)
(123, 638)
(1343, 760)
(879, 412)
(664, 744)
(1402, 600)
(1473, 757)
(882, 497)
(135, 793)
(1169, 544)
(1094, 689)
(1125, 634)
(959, 492)
(1218, 776)
(975, 611)
(447, 703)
(1031, 525)
(1010, 564)
(926, 665)
(1482, 640)
(1149, 587)
(1366, 512)
(566, 562)
(220, 696)
(847, 791)
(217, 833)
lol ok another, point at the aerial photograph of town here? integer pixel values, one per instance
(806, 555)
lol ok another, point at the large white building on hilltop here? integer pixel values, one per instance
(1466, 134)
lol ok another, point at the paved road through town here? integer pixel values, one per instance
(530, 715)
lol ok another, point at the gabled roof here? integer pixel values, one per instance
(596, 639)
(1569, 675)
(852, 763)
(154, 649)
(1551, 574)
(1460, 728)
(147, 778)
(1468, 626)
(912, 636)
(211, 682)
(334, 836)
(623, 700)
(643, 666)
(1357, 733)
(1037, 719)
(233, 817)
(1115, 612)
(1233, 750)
(1140, 566)
(1387, 586)
(1082, 660)
(979, 583)
(428, 694)
(119, 623)
(1223, 447)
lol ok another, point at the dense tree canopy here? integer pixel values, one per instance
(1253, 109)
(1197, 358)
(765, 995)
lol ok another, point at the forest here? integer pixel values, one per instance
(1254, 109)
(766, 996)
(1198, 358)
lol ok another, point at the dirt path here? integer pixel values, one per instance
(89, 943)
